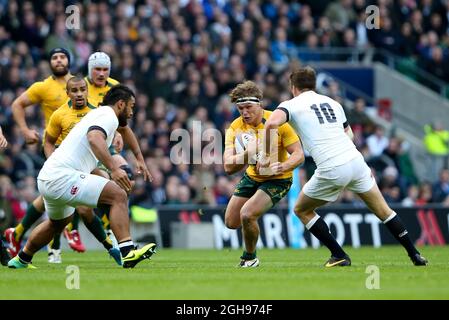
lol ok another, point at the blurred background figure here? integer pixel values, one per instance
(436, 142)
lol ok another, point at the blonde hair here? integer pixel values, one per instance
(244, 90)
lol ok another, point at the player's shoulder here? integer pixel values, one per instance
(284, 104)
(294, 103)
(103, 110)
(41, 84)
(237, 124)
(110, 82)
(267, 114)
(89, 82)
(328, 99)
(64, 108)
(49, 80)
(91, 106)
(286, 128)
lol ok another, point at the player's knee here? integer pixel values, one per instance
(247, 216)
(231, 223)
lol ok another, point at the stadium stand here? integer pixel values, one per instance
(182, 57)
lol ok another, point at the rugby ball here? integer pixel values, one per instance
(241, 142)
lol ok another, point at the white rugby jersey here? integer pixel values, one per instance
(75, 152)
(319, 120)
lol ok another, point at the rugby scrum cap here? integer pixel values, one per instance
(60, 50)
(98, 59)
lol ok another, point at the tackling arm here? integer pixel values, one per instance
(296, 156)
(130, 139)
(97, 142)
(295, 159)
(100, 149)
(276, 119)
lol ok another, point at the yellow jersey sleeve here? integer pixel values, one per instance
(230, 137)
(35, 92)
(112, 82)
(54, 125)
(288, 135)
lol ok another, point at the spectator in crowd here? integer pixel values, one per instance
(436, 142)
(425, 195)
(340, 14)
(412, 196)
(184, 58)
(377, 142)
(361, 124)
(3, 141)
(441, 187)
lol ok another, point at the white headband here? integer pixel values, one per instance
(243, 100)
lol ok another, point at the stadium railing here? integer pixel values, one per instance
(405, 65)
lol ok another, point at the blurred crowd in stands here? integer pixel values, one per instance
(183, 56)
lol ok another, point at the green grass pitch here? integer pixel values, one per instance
(212, 274)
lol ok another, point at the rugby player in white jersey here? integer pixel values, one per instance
(324, 131)
(66, 182)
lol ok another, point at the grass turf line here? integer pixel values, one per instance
(212, 274)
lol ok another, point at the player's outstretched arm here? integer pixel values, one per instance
(18, 112)
(97, 141)
(296, 158)
(3, 142)
(130, 139)
(276, 119)
(117, 142)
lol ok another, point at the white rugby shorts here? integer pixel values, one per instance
(326, 184)
(71, 189)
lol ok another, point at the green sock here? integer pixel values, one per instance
(248, 256)
(103, 212)
(75, 221)
(31, 216)
(107, 243)
(96, 228)
(56, 244)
